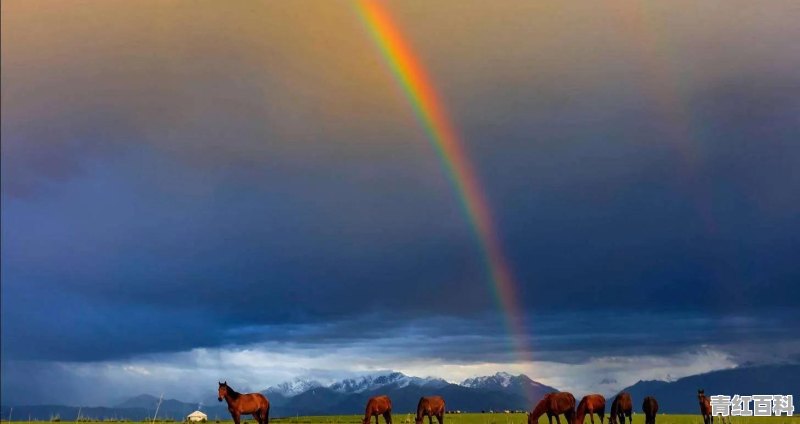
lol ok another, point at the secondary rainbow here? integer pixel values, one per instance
(662, 90)
(417, 86)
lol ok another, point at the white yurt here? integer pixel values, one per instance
(197, 416)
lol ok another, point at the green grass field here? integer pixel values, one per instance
(498, 418)
(501, 418)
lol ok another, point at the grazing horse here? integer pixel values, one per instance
(378, 405)
(591, 404)
(650, 408)
(247, 403)
(432, 406)
(621, 407)
(705, 407)
(554, 404)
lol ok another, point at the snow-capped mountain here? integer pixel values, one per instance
(503, 381)
(293, 387)
(370, 382)
(496, 392)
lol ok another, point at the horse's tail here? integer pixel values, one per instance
(265, 411)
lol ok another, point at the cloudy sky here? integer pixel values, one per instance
(199, 190)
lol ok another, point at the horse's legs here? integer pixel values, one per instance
(558, 419)
(430, 419)
(591, 418)
(387, 416)
(440, 418)
(235, 416)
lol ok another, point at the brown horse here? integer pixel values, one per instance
(430, 406)
(650, 408)
(705, 407)
(249, 403)
(621, 407)
(378, 405)
(554, 404)
(591, 404)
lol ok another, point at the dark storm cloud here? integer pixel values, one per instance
(171, 194)
(334, 350)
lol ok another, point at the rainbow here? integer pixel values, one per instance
(429, 110)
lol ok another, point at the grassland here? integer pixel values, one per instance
(523, 419)
(498, 418)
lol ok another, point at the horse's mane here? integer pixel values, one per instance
(541, 407)
(581, 410)
(232, 393)
(419, 407)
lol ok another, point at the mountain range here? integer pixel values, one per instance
(498, 392)
(310, 397)
(501, 391)
(679, 396)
